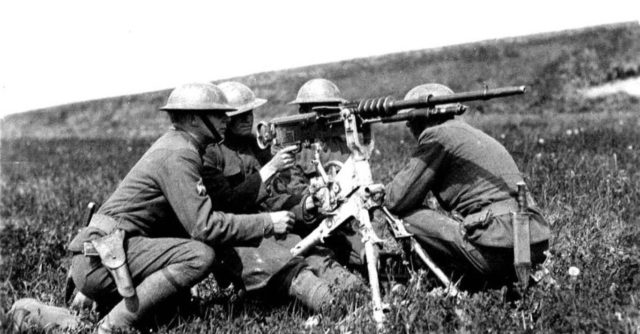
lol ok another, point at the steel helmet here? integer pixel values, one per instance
(434, 89)
(240, 97)
(318, 91)
(197, 96)
(424, 90)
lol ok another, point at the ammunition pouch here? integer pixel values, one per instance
(485, 216)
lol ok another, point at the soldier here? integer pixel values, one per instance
(315, 93)
(321, 92)
(474, 178)
(270, 268)
(169, 220)
(240, 164)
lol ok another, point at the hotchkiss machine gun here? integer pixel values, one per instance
(351, 193)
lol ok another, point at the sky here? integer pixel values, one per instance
(56, 52)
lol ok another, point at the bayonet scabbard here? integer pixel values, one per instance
(522, 237)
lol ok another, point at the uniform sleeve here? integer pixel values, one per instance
(234, 193)
(262, 155)
(244, 197)
(252, 184)
(180, 181)
(411, 185)
(285, 190)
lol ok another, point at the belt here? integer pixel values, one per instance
(104, 223)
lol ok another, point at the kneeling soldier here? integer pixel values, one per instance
(474, 178)
(240, 182)
(169, 220)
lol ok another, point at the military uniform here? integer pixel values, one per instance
(169, 219)
(231, 174)
(474, 178)
(313, 93)
(289, 188)
(269, 269)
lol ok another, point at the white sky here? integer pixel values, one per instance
(55, 52)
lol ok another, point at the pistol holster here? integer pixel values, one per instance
(110, 248)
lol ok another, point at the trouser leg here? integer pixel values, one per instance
(440, 237)
(175, 264)
(440, 233)
(477, 266)
(347, 246)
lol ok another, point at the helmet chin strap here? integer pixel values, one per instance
(217, 139)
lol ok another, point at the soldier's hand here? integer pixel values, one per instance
(282, 160)
(282, 222)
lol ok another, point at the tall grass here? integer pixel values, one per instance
(582, 170)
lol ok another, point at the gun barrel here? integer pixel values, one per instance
(385, 107)
(290, 129)
(482, 95)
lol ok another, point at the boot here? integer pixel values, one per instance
(339, 278)
(28, 312)
(312, 291)
(154, 290)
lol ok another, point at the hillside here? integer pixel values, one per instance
(553, 65)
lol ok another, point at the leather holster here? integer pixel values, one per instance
(110, 248)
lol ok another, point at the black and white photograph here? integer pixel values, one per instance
(319, 166)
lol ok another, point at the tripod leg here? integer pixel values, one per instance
(453, 291)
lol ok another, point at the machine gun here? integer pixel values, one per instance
(329, 121)
(351, 194)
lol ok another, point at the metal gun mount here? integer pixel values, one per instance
(352, 192)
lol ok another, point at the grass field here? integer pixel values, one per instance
(582, 169)
(579, 157)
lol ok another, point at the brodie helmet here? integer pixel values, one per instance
(197, 97)
(318, 91)
(425, 90)
(240, 97)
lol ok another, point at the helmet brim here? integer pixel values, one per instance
(327, 100)
(202, 108)
(247, 107)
